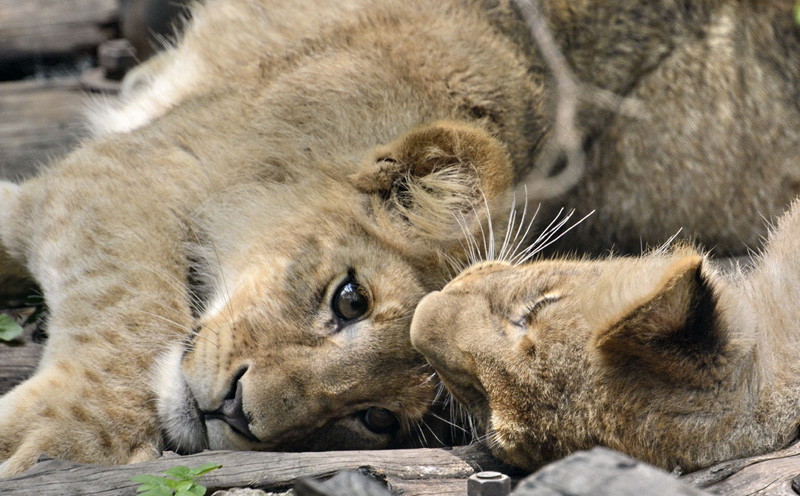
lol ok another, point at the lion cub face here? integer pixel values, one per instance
(302, 342)
(557, 356)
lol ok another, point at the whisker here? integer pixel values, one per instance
(521, 240)
(179, 325)
(483, 235)
(224, 287)
(489, 254)
(512, 218)
(549, 241)
(472, 243)
(661, 249)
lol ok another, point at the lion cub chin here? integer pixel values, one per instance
(662, 357)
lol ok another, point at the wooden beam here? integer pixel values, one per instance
(765, 474)
(415, 471)
(33, 28)
(39, 120)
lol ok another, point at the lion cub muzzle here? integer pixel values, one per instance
(231, 411)
(443, 330)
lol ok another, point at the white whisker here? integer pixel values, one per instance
(542, 247)
(661, 249)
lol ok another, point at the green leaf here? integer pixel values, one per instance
(195, 491)
(203, 469)
(172, 483)
(158, 491)
(9, 329)
(797, 13)
(183, 486)
(179, 472)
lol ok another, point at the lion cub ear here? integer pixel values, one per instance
(435, 177)
(663, 317)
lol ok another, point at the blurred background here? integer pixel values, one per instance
(55, 55)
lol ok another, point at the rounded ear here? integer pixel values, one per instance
(434, 179)
(664, 318)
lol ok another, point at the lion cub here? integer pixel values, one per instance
(662, 357)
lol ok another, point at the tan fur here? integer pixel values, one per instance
(248, 164)
(662, 356)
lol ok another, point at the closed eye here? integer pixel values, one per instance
(531, 311)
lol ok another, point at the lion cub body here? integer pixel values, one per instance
(234, 260)
(662, 357)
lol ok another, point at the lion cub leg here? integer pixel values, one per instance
(117, 302)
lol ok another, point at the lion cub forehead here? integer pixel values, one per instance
(476, 272)
(534, 276)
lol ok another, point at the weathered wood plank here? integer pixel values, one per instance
(416, 472)
(54, 27)
(17, 363)
(766, 474)
(39, 120)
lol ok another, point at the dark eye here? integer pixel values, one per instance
(379, 420)
(351, 300)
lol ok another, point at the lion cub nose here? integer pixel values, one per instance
(439, 325)
(231, 411)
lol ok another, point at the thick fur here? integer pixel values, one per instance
(661, 356)
(190, 253)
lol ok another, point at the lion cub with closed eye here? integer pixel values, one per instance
(662, 357)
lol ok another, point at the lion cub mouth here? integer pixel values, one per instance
(187, 427)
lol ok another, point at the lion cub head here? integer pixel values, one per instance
(562, 355)
(302, 339)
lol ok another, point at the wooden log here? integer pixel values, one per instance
(39, 120)
(17, 363)
(766, 474)
(416, 472)
(36, 28)
(603, 472)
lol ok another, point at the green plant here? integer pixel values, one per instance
(9, 329)
(797, 13)
(181, 481)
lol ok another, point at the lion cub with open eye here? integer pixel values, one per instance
(662, 357)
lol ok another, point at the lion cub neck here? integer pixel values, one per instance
(662, 356)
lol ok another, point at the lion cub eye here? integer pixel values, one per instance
(531, 311)
(379, 420)
(351, 300)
